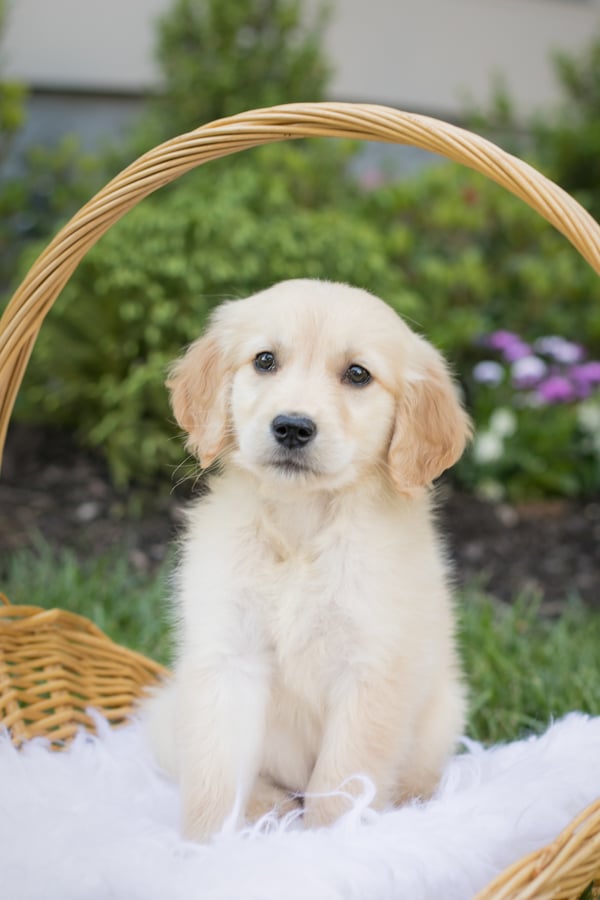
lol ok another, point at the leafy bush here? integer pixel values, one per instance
(568, 143)
(52, 183)
(221, 57)
(481, 260)
(564, 141)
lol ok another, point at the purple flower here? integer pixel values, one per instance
(488, 372)
(557, 389)
(528, 371)
(587, 373)
(509, 344)
(518, 350)
(501, 339)
(371, 179)
(561, 350)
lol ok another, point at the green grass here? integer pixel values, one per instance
(523, 667)
(128, 606)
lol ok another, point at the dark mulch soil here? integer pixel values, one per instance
(50, 487)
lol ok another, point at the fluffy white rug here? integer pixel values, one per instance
(100, 822)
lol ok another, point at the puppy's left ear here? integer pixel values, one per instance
(431, 428)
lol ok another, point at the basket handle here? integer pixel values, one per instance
(31, 302)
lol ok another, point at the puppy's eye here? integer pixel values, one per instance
(265, 362)
(357, 375)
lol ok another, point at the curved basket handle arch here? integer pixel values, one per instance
(32, 301)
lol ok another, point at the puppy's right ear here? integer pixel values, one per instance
(199, 384)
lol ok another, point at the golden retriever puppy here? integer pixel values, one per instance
(316, 633)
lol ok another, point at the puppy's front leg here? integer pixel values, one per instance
(220, 726)
(365, 733)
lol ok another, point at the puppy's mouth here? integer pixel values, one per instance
(291, 465)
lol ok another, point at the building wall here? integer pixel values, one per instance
(430, 54)
(420, 54)
(98, 45)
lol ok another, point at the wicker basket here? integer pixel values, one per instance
(54, 664)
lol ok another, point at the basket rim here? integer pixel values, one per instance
(16, 617)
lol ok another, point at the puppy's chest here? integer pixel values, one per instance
(312, 604)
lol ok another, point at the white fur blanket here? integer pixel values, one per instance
(100, 822)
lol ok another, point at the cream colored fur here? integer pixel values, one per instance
(316, 636)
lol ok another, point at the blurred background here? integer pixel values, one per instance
(89, 65)
(95, 476)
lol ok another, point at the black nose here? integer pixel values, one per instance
(293, 431)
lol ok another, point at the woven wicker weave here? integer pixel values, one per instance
(54, 664)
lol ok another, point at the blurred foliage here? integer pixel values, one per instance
(40, 192)
(12, 113)
(551, 451)
(50, 185)
(565, 141)
(568, 144)
(220, 57)
(480, 259)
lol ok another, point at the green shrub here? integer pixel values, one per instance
(567, 143)
(219, 57)
(51, 184)
(564, 140)
(481, 259)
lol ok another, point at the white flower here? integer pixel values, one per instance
(487, 447)
(488, 372)
(489, 489)
(528, 370)
(563, 351)
(503, 422)
(588, 416)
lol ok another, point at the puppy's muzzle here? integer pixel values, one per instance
(293, 432)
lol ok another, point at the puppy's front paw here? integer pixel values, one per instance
(267, 797)
(320, 811)
(198, 828)
(205, 818)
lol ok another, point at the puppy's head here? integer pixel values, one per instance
(318, 384)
